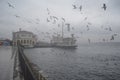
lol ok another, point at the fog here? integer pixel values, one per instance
(32, 15)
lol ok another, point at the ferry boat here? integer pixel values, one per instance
(64, 42)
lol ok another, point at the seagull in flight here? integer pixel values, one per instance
(104, 6)
(89, 23)
(112, 37)
(48, 11)
(88, 28)
(85, 18)
(115, 34)
(89, 41)
(103, 40)
(63, 19)
(74, 6)
(110, 29)
(55, 17)
(80, 8)
(10, 5)
(17, 16)
(48, 20)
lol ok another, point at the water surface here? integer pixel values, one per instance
(5, 63)
(87, 62)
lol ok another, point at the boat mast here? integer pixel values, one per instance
(62, 29)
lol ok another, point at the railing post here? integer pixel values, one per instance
(40, 76)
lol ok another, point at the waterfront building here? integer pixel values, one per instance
(25, 38)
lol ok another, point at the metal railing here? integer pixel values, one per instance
(27, 69)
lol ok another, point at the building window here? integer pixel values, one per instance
(27, 41)
(23, 35)
(33, 42)
(30, 41)
(21, 41)
(24, 41)
(18, 41)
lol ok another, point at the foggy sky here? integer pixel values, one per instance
(30, 10)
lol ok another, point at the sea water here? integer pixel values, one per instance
(6, 65)
(87, 62)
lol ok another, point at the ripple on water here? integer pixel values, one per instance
(84, 63)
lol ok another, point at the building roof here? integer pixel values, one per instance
(24, 32)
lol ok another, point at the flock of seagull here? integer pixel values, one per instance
(62, 21)
(80, 7)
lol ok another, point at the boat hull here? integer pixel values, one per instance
(67, 47)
